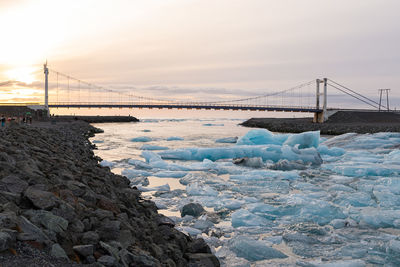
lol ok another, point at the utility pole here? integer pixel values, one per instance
(46, 88)
(386, 91)
(325, 99)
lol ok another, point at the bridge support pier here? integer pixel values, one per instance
(46, 88)
(320, 117)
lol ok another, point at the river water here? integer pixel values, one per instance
(295, 200)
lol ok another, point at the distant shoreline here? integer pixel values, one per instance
(340, 123)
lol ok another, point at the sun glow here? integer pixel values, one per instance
(23, 74)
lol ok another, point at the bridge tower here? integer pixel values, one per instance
(320, 117)
(46, 88)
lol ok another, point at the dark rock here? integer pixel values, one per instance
(90, 238)
(58, 252)
(192, 209)
(47, 219)
(106, 204)
(106, 260)
(164, 220)
(202, 260)
(109, 249)
(14, 184)
(6, 241)
(40, 199)
(139, 258)
(199, 246)
(8, 220)
(109, 230)
(30, 231)
(84, 250)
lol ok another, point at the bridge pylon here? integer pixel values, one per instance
(320, 117)
(46, 88)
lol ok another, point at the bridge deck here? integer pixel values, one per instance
(187, 106)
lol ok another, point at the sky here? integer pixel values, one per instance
(199, 49)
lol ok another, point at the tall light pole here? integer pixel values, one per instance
(46, 88)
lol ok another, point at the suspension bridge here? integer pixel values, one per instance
(65, 91)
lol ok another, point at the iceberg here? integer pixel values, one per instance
(132, 173)
(170, 174)
(141, 139)
(253, 250)
(245, 218)
(197, 190)
(175, 138)
(139, 164)
(269, 152)
(153, 147)
(105, 163)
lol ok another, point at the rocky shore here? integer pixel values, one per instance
(58, 206)
(339, 123)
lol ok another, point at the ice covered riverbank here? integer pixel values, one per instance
(293, 199)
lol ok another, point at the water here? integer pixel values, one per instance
(278, 212)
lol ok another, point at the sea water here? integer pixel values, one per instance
(271, 199)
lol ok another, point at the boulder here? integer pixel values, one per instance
(58, 252)
(14, 184)
(106, 260)
(41, 199)
(84, 250)
(6, 241)
(192, 209)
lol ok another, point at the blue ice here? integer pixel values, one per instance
(253, 250)
(196, 190)
(175, 138)
(153, 147)
(243, 217)
(265, 174)
(269, 152)
(132, 173)
(141, 139)
(106, 163)
(170, 174)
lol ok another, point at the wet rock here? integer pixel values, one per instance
(40, 199)
(58, 252)
(192, 209)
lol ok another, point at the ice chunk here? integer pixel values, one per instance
(141, 139)
(342, 263)
(243, 217)
(154, 160)
(261, 137)
(146, 131)
(265, 174)
(131, 173)
(213, 124)
(249, 162)
(333, 151)
(285, 165)
(106, 163)
(270, 152)
(357, 199)
(97, 141)
(171, 174)
(189, 230)
(152, 147)
(197, 190)
(175, 138)
(161, 188)
(303, 140)
(139, 164)
(377, 218)
(227, 140)
(253, 250)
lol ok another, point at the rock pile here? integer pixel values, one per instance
(55, 197)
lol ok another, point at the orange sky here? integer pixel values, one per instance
(198, 49)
